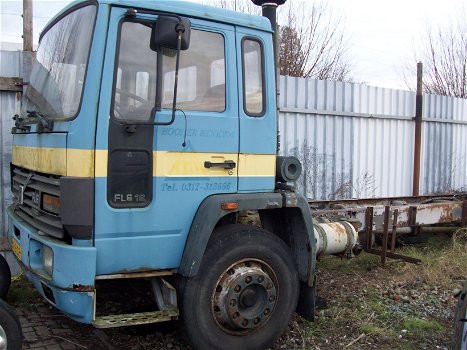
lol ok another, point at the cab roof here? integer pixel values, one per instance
(189, 9)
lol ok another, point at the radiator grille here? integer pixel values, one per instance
(28, 188)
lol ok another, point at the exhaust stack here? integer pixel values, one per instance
(270, 11)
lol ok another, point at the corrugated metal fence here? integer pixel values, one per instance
(356, 141)
(11, 65)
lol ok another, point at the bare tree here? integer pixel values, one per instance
(444, 57)
(314, 43)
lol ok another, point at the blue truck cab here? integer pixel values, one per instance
(110, 181)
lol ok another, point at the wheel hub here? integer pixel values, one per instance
(3, 339)
(245, 296)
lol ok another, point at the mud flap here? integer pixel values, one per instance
(306, 301)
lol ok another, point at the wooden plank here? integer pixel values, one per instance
(11, 84)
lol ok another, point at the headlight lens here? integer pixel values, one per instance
(48, 259)
(51, 203)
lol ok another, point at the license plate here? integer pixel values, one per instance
(16, 249)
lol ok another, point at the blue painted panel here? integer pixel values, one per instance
(256, 184)
(79, 306)
(82, 131)
(152, 237)
(66, 271)
(55, 140)
(258, 134)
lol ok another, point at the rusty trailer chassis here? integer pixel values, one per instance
(391, 216)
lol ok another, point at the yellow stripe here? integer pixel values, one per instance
(101, 162)
(257, 165)
(80, 162)
(183, 164)
(166, 164)
(54, 160)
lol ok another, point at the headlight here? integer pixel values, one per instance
(48, 259)
(51, 203)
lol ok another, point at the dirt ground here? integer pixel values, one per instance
(361, 306)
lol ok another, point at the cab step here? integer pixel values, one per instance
(123, 320)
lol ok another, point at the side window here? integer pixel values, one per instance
(253, 83)
(201, 77)
(135, 77)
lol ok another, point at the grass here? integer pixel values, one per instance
(22, 294)
(444, 259)
(368, 309)
(420, 326)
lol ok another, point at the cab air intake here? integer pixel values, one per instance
(288, 169)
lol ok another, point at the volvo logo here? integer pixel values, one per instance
(36, 198)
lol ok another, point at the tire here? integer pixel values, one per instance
(244, 293)
(10, 328)
(5, 277)
(460, 332)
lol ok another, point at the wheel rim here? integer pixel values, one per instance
(244, 297)
(3, 339)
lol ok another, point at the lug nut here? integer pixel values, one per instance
(235, 315)
(260, 279)
(269, 286)
(245, 323)
(256, 321)
(238, 289)
(233, 302)
(266, 312)
(272, 298)
(248, 279)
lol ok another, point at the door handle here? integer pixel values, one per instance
(228, 164)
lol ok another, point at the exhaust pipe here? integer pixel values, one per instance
(270, 12)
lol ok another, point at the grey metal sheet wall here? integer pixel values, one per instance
(10, 66)
(11, 63)
(444, 148)
(356, 141)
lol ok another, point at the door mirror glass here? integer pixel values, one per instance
(165, 33)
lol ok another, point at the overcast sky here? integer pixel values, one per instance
(383, 34)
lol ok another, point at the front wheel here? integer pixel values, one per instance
(11, 336)
(5, 277)
(244, 293)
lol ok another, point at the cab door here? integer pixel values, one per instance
(152, 178)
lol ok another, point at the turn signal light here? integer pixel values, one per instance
(51, 203)
(229, 206)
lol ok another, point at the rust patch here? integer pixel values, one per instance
(83, 288)
(338, 228)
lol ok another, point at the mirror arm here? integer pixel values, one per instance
(180, 30)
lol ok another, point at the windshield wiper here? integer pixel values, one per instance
(43, 124)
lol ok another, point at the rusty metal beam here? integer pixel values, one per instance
(395, 256)
(385, 235)
(394, 230)
(464, 213)
(368, 226)
(139, 274)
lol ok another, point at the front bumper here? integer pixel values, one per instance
(70, 287)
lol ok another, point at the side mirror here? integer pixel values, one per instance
(165, 33)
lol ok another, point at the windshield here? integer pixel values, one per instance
(57, 77)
